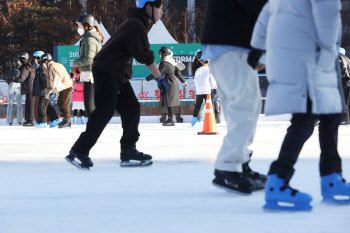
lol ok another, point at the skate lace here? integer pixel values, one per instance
(286, 186)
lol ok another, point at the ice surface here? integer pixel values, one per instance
(41, 193)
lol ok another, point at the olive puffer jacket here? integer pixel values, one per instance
(89, 47)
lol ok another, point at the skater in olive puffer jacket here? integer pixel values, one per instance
(90, 45)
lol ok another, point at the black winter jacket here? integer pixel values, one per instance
(230, 22)
(26, 79)
(10, 75)
(128, 41)
(40, 81)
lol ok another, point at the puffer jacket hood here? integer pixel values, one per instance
(170, 60)
(94, 34)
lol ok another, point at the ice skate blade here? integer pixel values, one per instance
(76, 164)
(231, 190)
(134, 163)
(344, 200)
(286, 206)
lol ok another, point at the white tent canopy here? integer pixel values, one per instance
(157, 35)
(160, 35)
(103, 30)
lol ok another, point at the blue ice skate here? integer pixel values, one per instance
(82, 120)
(280, 196)
(41, 125)
(334, 189)
(54, 123)
(74, 119)
(194, 121)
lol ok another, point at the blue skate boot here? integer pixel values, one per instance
(54, 123)
(82, 120)
(280, 196)
(41, 125)
(194, 121)
(200, 120)
(334, 189)
(74, 119)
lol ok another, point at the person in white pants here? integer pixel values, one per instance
(226, 43)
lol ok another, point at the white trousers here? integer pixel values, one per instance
(238, 88)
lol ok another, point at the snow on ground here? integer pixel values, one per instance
(41, 193)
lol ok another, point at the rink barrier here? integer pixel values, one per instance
(147, 95)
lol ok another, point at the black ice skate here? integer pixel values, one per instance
(85, 161)
(217, 118)
(131, 157)
(233, 182)
(29, 124)
(179, 119)
(163, 118)
(169, 122)
(66, 123)
(258, 180)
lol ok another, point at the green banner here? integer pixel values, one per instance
(182, 52)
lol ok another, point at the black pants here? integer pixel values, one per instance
(346, 91)
(215, 100)
(110, 95)
(89, 102)
(300, 130)
(170, 111)
(45, 109)
(199, 101)
(29, 107)
(82, 113)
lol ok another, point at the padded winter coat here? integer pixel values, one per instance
(26, 79)
(172, 75)
(301, 39)
(40, 81)
(10, 75)
(204, 81)
(58, 78)
(78, 93)
(128, 41)
(89, 47)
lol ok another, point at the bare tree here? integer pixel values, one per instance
(83, 6)
(191, 10)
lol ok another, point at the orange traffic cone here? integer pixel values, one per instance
(209, 125)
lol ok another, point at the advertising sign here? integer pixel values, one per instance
(182, 52)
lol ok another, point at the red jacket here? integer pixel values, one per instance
(78, 93)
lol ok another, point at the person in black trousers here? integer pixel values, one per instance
(44, 102)
(112, 72)
(301, 128)
(26, 79)
(344, 62)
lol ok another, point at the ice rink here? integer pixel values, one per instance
(42, 193)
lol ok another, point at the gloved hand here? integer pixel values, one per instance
(162, 85)
(194, 121)
(144, 82)
(47, 96)
(185, 84)
(254, 56)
